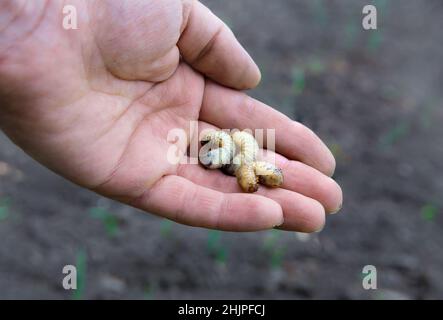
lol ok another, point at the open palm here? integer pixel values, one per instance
(96, 106)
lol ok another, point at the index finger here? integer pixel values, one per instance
(210, 47)
(227, 108)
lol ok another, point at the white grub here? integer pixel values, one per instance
(219, 151)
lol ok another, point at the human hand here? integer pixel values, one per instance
(96, 104)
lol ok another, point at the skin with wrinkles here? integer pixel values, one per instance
(95, 105)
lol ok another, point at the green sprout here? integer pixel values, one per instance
(149, 292)
(376, 37)
(221, 256)
(5, 205)
(379, 295)
(429, 212)
(216, 248)
(277, 257)
(271, 239)
(274, 250)
(381, 6)
(319, 10)
(391, 93)
(394, 135)
(351, 32)
(374, 41)
(427, 115)
(298, 80)
(213, 239)
(166, 228)
(316, 66)
(109, 220)
(81, 275)
(426, 118)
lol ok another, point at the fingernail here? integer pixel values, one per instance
(281, 222)
(336, 211)
(332, 173)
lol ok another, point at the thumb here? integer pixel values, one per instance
(209, 46)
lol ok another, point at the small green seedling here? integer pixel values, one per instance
(351, 32)
(379, 295)
(298, 80)
(429, 212)
(221, 256)
(277, 258)
(427, 114)
(374, 41)
(109, 220)
(81, 275)
(166, 228)
(149, 292)
(394, 135)
(271, 239)
(382, 6)
(316, 66)
(274, 249)
(213, 240)
(319, 10)
(5, 205)
(376, 38)
(216, 248)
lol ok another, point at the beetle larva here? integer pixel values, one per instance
(265, 173)
(246, 178)
(219, 152)
(268, 174)
(218, 149)
(247, 148)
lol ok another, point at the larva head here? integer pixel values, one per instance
(268, 174)
(207, 137)
(215, 159)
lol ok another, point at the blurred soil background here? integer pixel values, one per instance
(376, 98)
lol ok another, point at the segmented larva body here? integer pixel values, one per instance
(247, 178)
(247, 148)
(220, 153)
(268, 174)
(251, 174)
(218, 149)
